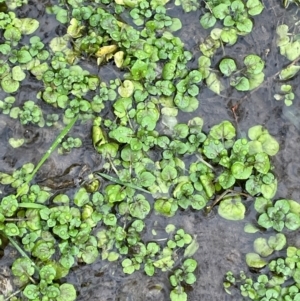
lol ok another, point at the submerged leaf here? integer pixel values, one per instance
(232, 208)
(105, 50)
(223, 130)
(9, 85)
(255, 261)
(262, 247)
(289, 72)
(28, 25)
(214, 83)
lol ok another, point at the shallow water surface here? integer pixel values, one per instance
(222, 244)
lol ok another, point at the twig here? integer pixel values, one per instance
(226, 193)
(12, 295)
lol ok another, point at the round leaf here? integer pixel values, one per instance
(232, 208)
(18, 74)
(253, 260)
(227, 66)
(29, 25)
(261, 247)
(277, 242)
(67, 292)
(241, 171)
(9, 85)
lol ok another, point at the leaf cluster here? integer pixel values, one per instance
(236, 19)
(281, 283)
(286, 94)
(284, 213)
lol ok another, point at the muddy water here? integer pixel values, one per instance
(223, 244)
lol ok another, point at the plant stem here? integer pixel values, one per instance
(12, 295)
(13, 242)
(56, 142)
(16, 219)
(204, 162)
(226, 192)
(115, 180)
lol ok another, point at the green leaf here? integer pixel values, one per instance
(229, 36)
(204, 64)
(241, 171)
(212, 148)
(220, 11)
(244, 25)
(62, 16)
(261, 204)
(265, 221)
(289, 72)
(11, 229)
(213, 83)
(59, 43)
(24, 56)
(15, 143)
(240, 83)
(31, 291)
(5, 49)
(226, 179)
(169, 173)
(81, 197)
(9, 85)
(139, 70)
(189, 265)
(126, 89)
(140, 207)
(208, 20)
(277, 242)
(12, 34)
(208, 185)
(198, 201)
(232, 208)
(185, 102)
(47, 273)
(255, 80)
(255, 7)
(262, 247)
(166, 207)
(268, 190)
(146, 179)
(90, 254)
(227, 66)
(115, 193)
(23, 268)
(253, 260)
(28, 26)
(249, 228)
(292, 221)
(294, 207)
(67, 292)
(262, 163)
(178, 294)
(291, 50)
(74, 29)
(254, 64)
(128, 267)
(262, 141)
(296, 276)
(223, 130)
(176, 25)
(192, 248)
(18, 74)
(122, 134)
